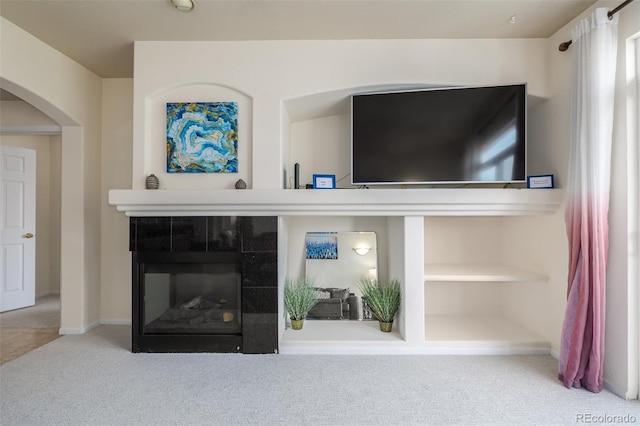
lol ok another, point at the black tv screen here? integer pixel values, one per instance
(441, 135)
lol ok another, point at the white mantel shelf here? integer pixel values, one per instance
(339, 202)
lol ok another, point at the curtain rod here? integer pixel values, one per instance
(565, 45)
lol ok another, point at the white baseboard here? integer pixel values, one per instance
(555, 354)
(616, 390)
(48, 293)
(81, 330)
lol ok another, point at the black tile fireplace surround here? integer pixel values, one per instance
(204, 284)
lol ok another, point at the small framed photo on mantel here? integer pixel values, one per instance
(324, 181)
(540, 182)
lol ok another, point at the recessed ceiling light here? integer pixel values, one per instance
(183, 5)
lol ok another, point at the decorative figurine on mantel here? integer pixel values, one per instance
(152, 182)
(240, 184)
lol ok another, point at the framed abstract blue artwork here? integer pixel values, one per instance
(202, 137)
(321, 245)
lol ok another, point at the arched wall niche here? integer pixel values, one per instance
(333, 102)
(155, 129)
(317, 129)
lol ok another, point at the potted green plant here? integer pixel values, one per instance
(299, 298)
(383, 299)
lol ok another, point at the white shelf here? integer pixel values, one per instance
(340, 337)
(434, 272)
(445, 334)
(339, 202)
(486, 330)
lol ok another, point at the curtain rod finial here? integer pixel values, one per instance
(564, 46)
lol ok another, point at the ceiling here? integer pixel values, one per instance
(99, 34)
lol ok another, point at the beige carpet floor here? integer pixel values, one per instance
(94, 379)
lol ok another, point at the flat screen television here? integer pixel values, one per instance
(440, 135)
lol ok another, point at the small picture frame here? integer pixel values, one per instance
(324, 181)
(540, 182)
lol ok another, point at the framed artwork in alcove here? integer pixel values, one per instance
(321, 245)
(202, 137)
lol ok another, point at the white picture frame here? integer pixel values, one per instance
(540, 182)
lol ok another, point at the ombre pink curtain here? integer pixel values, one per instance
(587, 200)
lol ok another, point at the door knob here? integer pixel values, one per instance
(28, 235)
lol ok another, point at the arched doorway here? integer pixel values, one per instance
(71, 267)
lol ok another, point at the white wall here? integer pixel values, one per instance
(47, 207)
(276, 73)
(322, 146)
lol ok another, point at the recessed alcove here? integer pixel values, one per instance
(153, 148)
(481, 278)
(336, 333)
(478, 297)
(471, 294)
(318, 135)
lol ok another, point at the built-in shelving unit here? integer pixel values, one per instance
(413, 253)
(475, 295)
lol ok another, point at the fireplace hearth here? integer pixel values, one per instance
(204, 284)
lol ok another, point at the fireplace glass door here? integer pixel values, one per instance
(190, 298)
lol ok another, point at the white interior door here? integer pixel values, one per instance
(17, 227)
